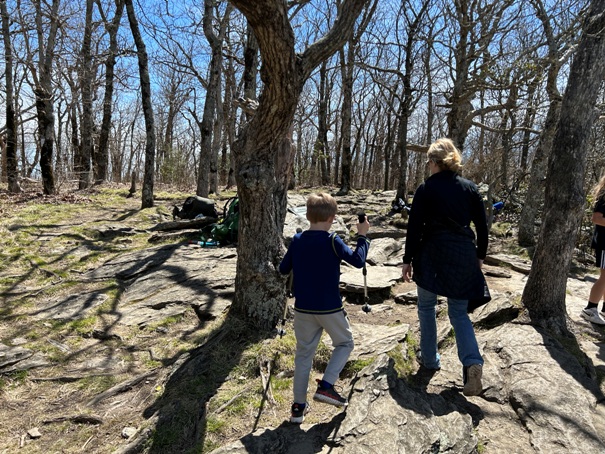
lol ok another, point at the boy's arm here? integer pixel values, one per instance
(286, 264)
(357, 258)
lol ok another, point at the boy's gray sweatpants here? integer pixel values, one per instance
(307, 330)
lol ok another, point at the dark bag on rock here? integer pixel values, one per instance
(478, 302)
(194, 206)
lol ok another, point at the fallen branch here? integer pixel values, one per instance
(120, 388)
(189, 224)
(68, 378)
(230, 401)
(267, 383)
(80, 419)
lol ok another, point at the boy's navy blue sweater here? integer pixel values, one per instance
(314, 257)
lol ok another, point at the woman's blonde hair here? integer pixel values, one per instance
(321, 207)
(444, 153)
(599, 189)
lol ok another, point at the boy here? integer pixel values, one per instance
(314, 258)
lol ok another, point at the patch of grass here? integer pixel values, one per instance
(152, 363)
(173, 319)
(354, 367)
(13, 379)
(403, 363)
(95, 385)
(281, 384)
(83, 326)
(215, 425)
(501, 229)
(481, 448)
(322, 356)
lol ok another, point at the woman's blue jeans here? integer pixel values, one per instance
(468, 350)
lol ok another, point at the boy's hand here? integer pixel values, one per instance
(363, 227)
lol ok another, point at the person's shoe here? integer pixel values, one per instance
(592, 315)
(329, 396)
(421, 363)
(298, 412)
(471, 377)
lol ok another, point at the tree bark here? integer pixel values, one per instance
(526, 236)
(86, 126)
(347, 65)
(321, 145)
(535, 191)
(10, 150)
(212, 93)
(264, 154)
(148, 177)
(544, 293)
(102, 156)
(44, 96)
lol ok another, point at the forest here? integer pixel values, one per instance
(271, 95)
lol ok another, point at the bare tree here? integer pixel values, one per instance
(148, 177)
(478, 22)
(10, 150)
(101, 161)
(544, 293)
(83, 166)
(347, 63)
(263, 153)
(208, 161)
(43, 91)
(559, 48)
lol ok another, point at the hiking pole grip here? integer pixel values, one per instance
(361, 217)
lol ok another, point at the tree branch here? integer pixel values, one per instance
(336, 37)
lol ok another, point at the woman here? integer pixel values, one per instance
(590, 312)
(440, 248)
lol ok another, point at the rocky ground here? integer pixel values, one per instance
(111, 340)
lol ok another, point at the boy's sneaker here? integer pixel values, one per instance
(592, 315)
(471, 377)
(298, 412)
(329, 396)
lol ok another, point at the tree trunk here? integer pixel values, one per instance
(544, 293)
(535, 190)
(264, 154)
(44, 96)
(148, 177)
(208, 162)
(10, 146)
(347, 65)
(528, 123)
(102, 156)
(86, 88)
(526, 236)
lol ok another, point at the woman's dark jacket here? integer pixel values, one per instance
(440, 243)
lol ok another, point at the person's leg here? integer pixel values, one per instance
(466, 342)
(307, 332)
(338, 328)
(427, 301)
(597, 291)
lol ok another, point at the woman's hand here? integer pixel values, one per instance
(406, 272)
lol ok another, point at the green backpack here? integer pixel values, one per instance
(225, 231)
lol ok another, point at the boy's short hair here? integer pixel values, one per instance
(320, 207)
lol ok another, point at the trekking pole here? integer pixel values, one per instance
(281, 331)
(361, 217)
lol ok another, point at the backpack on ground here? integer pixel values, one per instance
(195, 206)
(225, 231)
